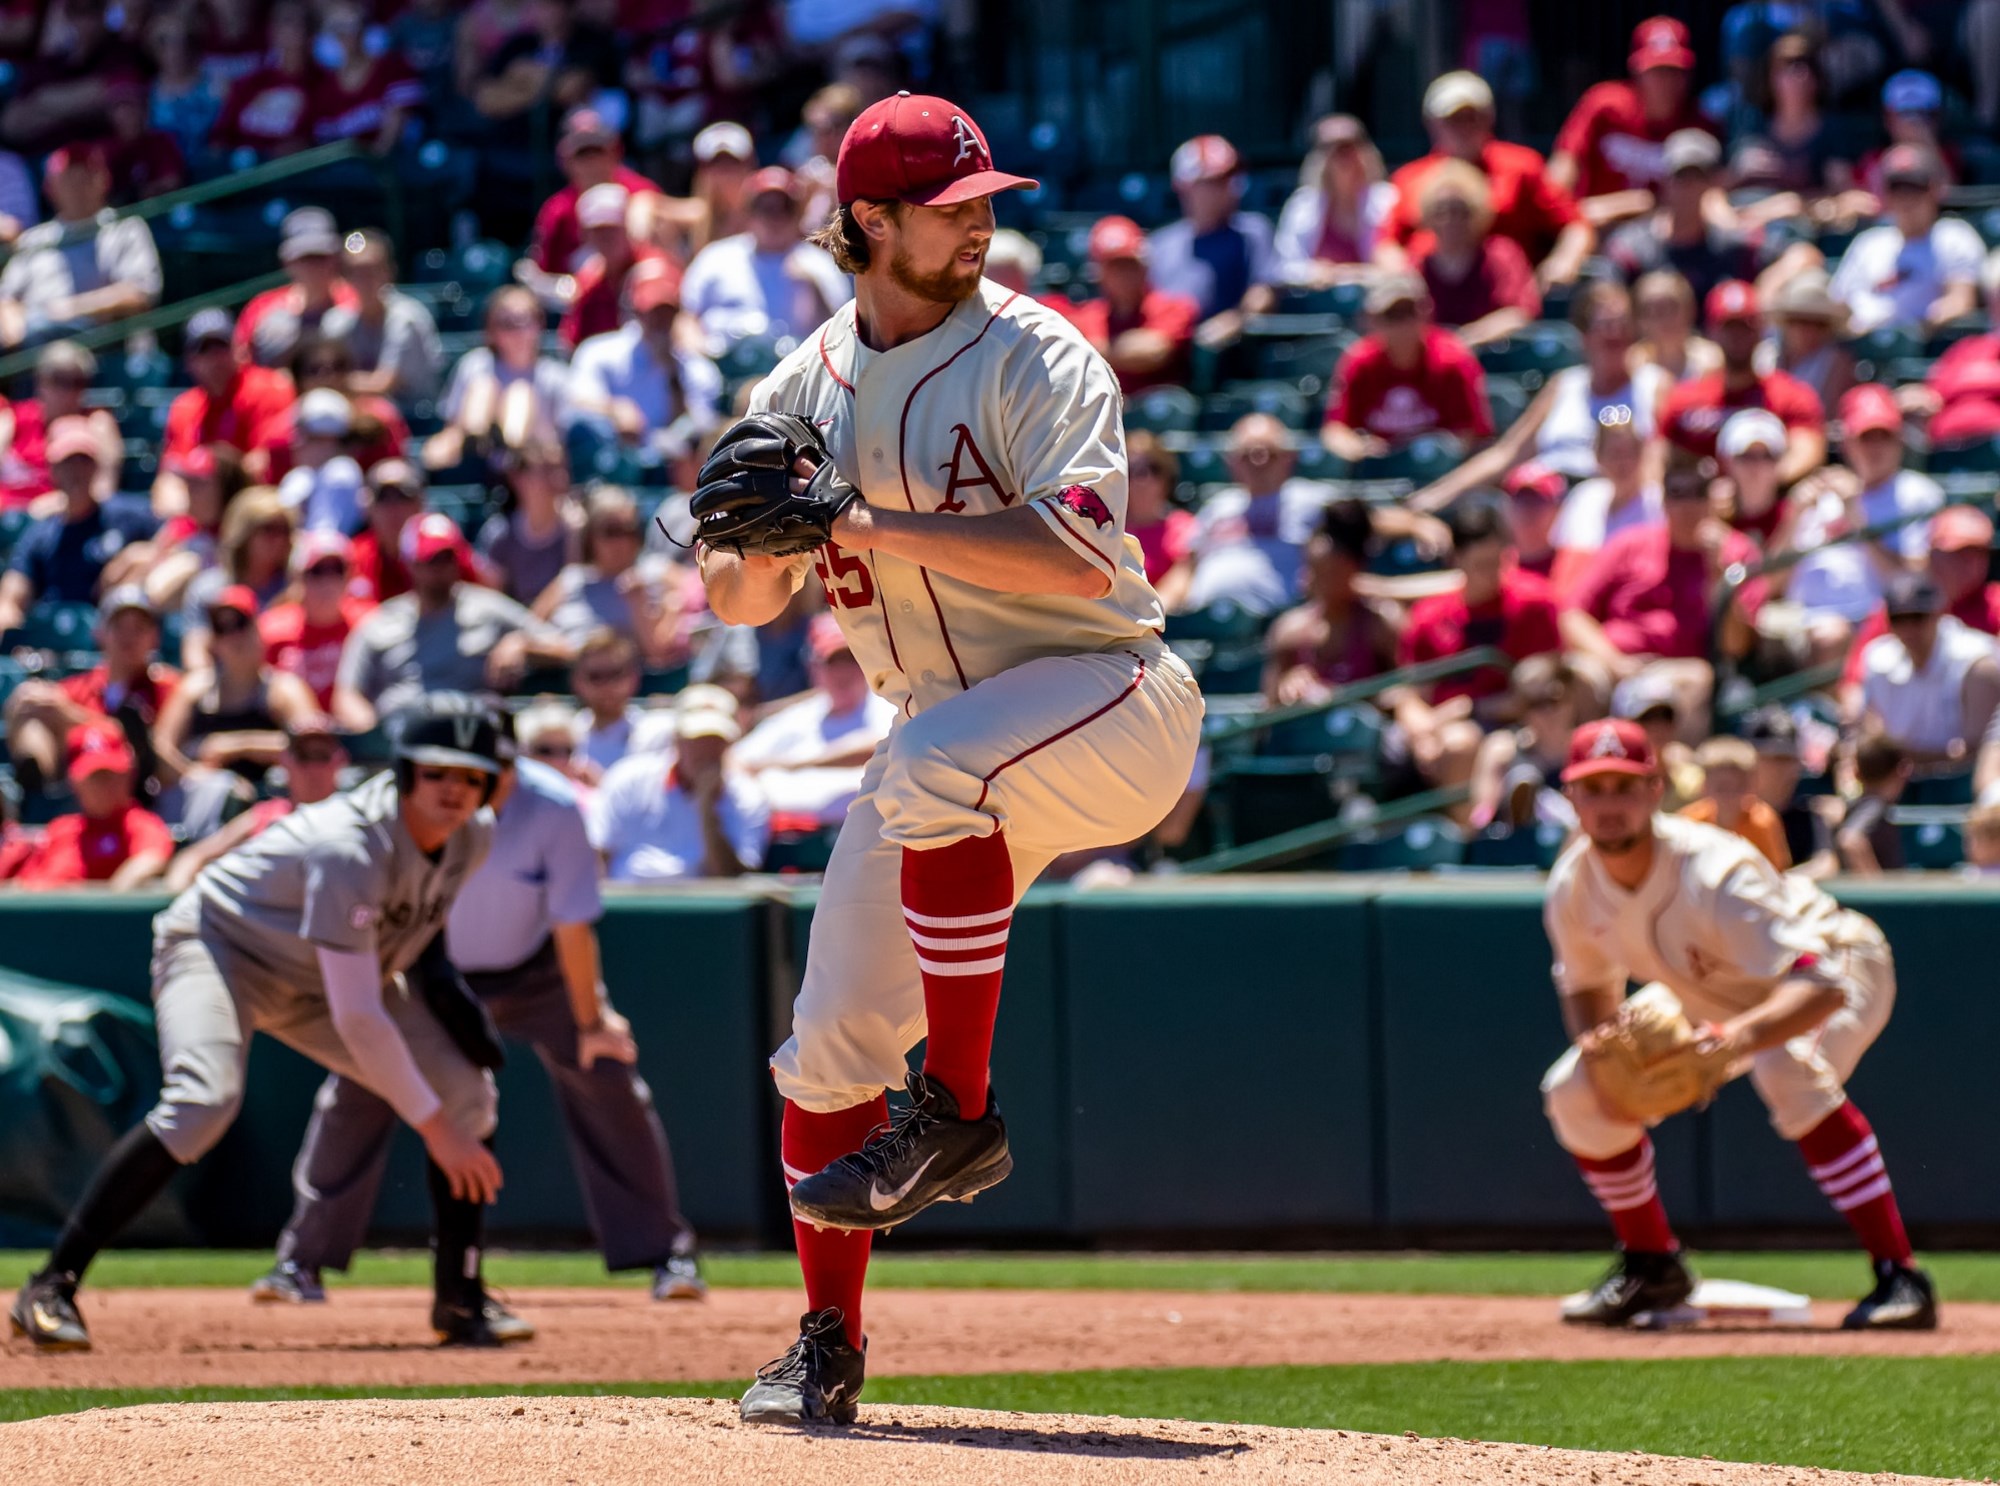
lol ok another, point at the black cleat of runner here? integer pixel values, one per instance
(288, 1284)
(817, 1382)
(1903, 1300)
(480, 1322)
(925, 1154)
(1638, 1284)
(45, 1313)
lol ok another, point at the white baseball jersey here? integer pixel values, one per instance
(1003, 404)
(1714, 921)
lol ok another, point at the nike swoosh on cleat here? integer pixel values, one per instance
(882, 1201)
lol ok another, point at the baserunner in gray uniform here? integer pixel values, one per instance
(303, 932)
(524, 933)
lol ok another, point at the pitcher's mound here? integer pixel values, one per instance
(681, 1442)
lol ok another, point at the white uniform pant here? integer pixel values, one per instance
(1801, 1081)
(1066, 753)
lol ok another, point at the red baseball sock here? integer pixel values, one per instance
(1844, 1158)
(834, 1261)
(1625, 1188)
(958, 902)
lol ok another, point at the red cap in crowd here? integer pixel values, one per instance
(197, 463)
(1117, 237)
(89, 153)
(1534, 480)
(1956, 528)
(69, 437)
(1609, 746)
(238, 596)
(1732, 299)
(314, 547)
(94, 748)
(586, 126)
(653, 283)
(1870, 407)
(431, 535)
(1661, 41)
(824, 637)
(1206, 157)
(918, 149)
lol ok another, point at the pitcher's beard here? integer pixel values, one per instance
(947, 286)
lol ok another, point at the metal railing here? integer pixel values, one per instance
(1304, 842)
(1420, 674)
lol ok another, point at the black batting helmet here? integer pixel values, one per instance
(454, 730)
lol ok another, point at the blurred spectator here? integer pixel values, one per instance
(1337, 635)
(597, 305)
(1534, 501)
(391, 335)
(1621, 497)
(725, 158)
(1480, 283)
(110, 838)
(256, 553)
(1690, 232)
(1216, 255)
(1786, 141)
(443, 635)
(529, 542)
(233, 38)
(1694, 412)
(303, 636)
(190, 543)
(1751, 448)
(20, 203)
(376, 428)
(271, 325)
(1560, 428)
(1496, 605)
(64, 556)
(186, 97)
(808, 757)
(590, 156)
(1912, 111)
(1960, 559)
(483, 27)
(1014, 262)
(502, 394)
(395, 496)
(1868, 841)
(556, 57)
(424, 34)
(1728, 766)
(312, 761)
(1773, 735)
(63, 373)
(635, 384)
(362, 93)
(1961, 396)
(1982, 840)
(1166, 535)
(324, 482)
(1663, 303)
(270, 111)
(59, 94)
(1917, 270)
(1811, 326)
(125, 689)
(1405, 378)
(615, 586)
(661, 817)
(143, 161)
(1652, 699)
(1146, 333)
(1611, 153)
(547, 733)
(231, 402)
(57, 283)
(1517, 773)
(1250, 538)
(1331, 227)
(767, 280)
(1527, 206)
(816, 148)
(1931, 684)
(605, 679)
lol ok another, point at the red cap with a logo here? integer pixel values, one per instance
(1117, 237)
(1732, 299)
(1869, 408)
(1661, 41)
(94, 749)
(1610, 746)
(653, 283)
(921, 150)
(430, 535)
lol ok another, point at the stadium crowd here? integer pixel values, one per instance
(1701, 401)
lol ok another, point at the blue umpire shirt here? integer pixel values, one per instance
(542, 871)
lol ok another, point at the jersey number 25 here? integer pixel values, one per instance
(846, 578)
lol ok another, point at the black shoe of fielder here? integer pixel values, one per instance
(817, 1382)
(480, 1321)
(1638, 1284)
(925, 1154)
(288, 1284)
(45, 1313)
(1903, 1300)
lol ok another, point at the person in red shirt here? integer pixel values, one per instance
(1961, 396)
(1610, 151)
(270, 111)
(1403, 379)
(590, 156)
(598, 305)
(1534, 500)
(362, 96)
(144, 161)
(1498, 605)
(110, 839)
(1145, 333)
(271, 326)
(230, 402)
(1961, 555)
(396, 494)
(1480, 283)
(304, 635)
(64, 372)
(380, 431)
(1527, 206)
(1692, 415)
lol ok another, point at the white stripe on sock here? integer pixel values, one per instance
(981, 941)
(1867, 1194)
(969, 921)
(1618, 1202)
(793, 1175)
(1840, 1163)
(1860, 1177)
(961, 967)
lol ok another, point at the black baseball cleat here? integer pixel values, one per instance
(288, 1284)
(1638, 1284)
(817, 1382)
(1904, 1299)
(479, 1322)
(925, 1154)
(45, 1313)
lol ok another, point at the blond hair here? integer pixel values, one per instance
(252, 508)
(1455, 179)
(1726, 753)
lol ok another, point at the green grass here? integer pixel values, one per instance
(1836, 1275)
(1922, 1416)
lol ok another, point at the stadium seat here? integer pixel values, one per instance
(12, 524)
(1223, 623)
(1544, 347)
(1419, 846)
(55, 627)
(753, 356)
(1349, 734)
(1982, 457)
(800, 851)
(1879, 349)
(1305, 361)
(1534, 847)
(1202, 463)
(1938, 790)
(1344, 300)
(465, 504)
(1282, 400)
(1931, 846)
(1163, 410)
(1508, 399)
(1420, 461)
(1256, 798)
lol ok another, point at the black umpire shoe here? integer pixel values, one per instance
(1639, 1283)
(925, 1154)
(45, 1313)
(817, 1382)
(1904, 1299)
(479, 1321)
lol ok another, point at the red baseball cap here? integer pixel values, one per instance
(1117, 237)
(94, 749)
(1661, 41)
(1536, 479)
(1732, 299)
(1956, 528)
(1870, 407)
(238, 596)
(655, 282)
(1206, 157)
(772, 180)
(918, 149)
(430, 535)
(824, 637)
(1609, 746)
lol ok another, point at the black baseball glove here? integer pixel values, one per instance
(745, 503)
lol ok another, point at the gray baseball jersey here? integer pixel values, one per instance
(341, 875)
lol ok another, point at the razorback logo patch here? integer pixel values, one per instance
(1081, 500)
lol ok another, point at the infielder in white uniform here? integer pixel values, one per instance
(1793, 989)
(989, 591)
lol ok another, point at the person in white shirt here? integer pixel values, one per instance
(634, 384)
(662, 817)
(808, 757)
(1622, 496)
(324, 484)
(1219, 257)
(1932, 684)
(1917, 270)
(1250, 538)
(1331, 226)
(768, 280)
(605, 679)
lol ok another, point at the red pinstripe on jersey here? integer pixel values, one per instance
(827, 361)
(986, 782)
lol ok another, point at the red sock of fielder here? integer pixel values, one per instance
(1625, 1187)
(1845, 1159)
(834, 1261)
(958, 902)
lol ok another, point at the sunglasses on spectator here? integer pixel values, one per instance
(226, 622)
(395, 493)
(333, 567)
(623, 530)
(65, 379)
(276, 529)
(553, 750)
(324, 753)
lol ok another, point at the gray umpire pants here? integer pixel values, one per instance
(616, 1141)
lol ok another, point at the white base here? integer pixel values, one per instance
(1721, 1300)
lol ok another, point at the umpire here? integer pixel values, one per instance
(523, 934)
